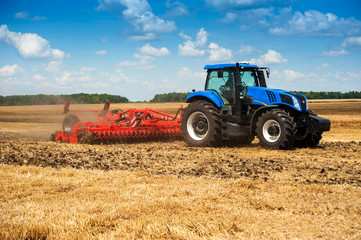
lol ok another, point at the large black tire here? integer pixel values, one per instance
(201, 124)
(275, 129)
(69, 122)
(310, 140)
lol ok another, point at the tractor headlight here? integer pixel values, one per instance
(295, 103)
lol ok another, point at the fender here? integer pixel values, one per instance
(209, 95)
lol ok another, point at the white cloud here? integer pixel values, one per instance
(246, 4)
(38, 77)
(187, 73)
(246, 49)
(138, 13)
(64, 79)
(322, 67)
(87, 69)
(152, 51)
(219, 54)
(144, 62)
(292, 75)
(167, 84)
(229, 17)
(9, 70)
(271, 57)
(193, 48)
(39, 18)
(314, 23)
(101, 52)
(352, 42)
(177, 9)
(335, 53)
(21, 15)
(143, 37)
(54, 66)
(121, 77)
(30, 45)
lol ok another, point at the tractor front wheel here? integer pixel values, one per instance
(275, 129)
(201, 125)
(310, 140)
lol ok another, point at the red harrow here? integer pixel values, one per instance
(118, 125)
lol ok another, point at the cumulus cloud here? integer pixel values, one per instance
(139, 15)
(229, 17)
(246, 49)
(144, 62)
(246, 4)
(101, 52)
(152, 51)
(21, 15)
(9, 70)
(352, 42)
(177, 9)
(292, 75)
(335, 53)
(187, 73)
(313, 23)
(219, 54)
(271, 57)
(54, 66)
(193, 48)
(29, 45)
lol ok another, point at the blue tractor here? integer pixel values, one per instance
(236, 106)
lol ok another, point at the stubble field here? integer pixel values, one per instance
(166, 190)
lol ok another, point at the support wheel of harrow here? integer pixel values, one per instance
(201, 125)
(275, 129)
(310, 140)
(69, 123)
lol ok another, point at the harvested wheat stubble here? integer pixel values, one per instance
(330, 163)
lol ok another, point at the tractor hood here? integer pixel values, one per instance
(267, 96)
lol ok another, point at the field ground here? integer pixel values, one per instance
(166, 190)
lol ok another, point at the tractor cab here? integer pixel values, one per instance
(221, 78)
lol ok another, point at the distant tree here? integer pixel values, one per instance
(42, 99)
(170, 97)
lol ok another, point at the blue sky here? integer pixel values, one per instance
(138, 48)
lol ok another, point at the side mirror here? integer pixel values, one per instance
(220, 74)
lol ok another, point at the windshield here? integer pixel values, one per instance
(224, 85)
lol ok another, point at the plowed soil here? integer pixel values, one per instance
(330, 163)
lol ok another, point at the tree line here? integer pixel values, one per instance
(84, 98)
(331, 95)
(42, 99)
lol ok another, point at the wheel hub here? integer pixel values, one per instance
(271, 130)
(200, 125)
(197, 126)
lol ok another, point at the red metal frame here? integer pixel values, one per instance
(127, 124)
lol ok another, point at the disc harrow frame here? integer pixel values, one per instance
(118, 125)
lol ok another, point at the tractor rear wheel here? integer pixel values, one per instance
(310, 140)
(69, 123)
(201, 124)
(275, 129)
